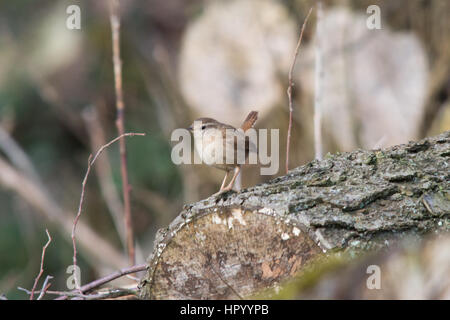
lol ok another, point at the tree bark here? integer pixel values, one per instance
(236, 244)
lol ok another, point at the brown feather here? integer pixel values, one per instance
(250, 120)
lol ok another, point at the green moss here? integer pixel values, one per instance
(371, 159)
(309, 276)
(380, 155)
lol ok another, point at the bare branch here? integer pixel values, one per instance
(91, 161)
(104, 171)
(42, 265)
(104, 294)
(97, 283)
(289, 90)
(24, 290)
(45, 287)
(115, 32)
(109, 293)
(318, 145)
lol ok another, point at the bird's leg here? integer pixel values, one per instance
(224, 180)
(230, 185)
(237, 170)
(223, 184)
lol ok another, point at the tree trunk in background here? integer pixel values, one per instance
(238, 244)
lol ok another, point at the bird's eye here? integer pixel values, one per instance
(203, 127)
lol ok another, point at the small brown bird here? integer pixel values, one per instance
(223, 146)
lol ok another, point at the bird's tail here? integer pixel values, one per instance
(250, 120)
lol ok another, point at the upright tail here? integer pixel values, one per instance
(250, 120)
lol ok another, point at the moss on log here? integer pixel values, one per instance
(417, 270)
(236, 244)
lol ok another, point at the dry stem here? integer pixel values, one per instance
(97, 283)
(318, 146)
(42, 265)
(289, 90)
(91, 161)
(45, 287)
(104, 172)
(115, 31)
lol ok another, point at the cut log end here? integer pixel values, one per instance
(228, 254)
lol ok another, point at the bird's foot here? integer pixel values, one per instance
(222, 191)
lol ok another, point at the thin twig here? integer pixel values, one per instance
(106, 294)
(97, 283)
(289, 90)
(45, 287)
(129, 276)
(318, 145)
(104, 172)
(115, 31)
(24, 290)
(41, 270)
(91, 161)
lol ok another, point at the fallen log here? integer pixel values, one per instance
(237, 244)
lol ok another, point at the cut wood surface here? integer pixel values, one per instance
(236, 244)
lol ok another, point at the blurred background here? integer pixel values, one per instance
(184, 59)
